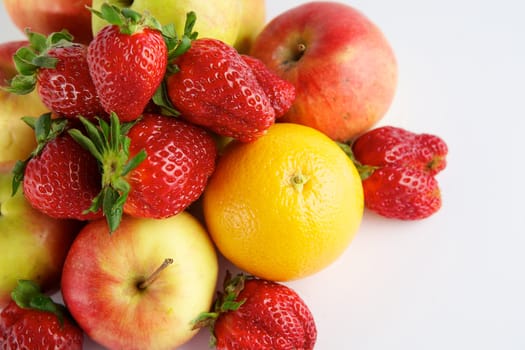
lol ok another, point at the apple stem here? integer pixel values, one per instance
(148, 281)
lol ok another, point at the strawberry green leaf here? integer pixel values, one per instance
(128, 20)
(191, 19)
(178, 46)
(38, 41)
(22, 84)
(45, 62)
(110, 146)
(27, 295)
(23, 59)
(29, 59)
(161, 99)
(86, 143)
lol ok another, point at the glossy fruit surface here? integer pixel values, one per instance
(263, 315)
(401, 165)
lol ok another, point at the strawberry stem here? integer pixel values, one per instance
(365, 171)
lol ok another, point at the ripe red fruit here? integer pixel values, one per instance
(280, 92)
(154, 168)
(398, 168)
(217, 89)
(58, 68)
(33, 321)
(181, 158)
(60, 178)
(259, 314)
(127, 61)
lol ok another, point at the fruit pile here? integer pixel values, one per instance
(154, 148)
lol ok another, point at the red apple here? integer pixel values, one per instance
(113, 287)
(47, 16)
(34, 246)
(341, 64)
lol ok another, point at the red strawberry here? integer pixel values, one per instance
(280, 92)
(127, 61)
(59, 70)
(259, 314)
(33, 321)
(390, 145)
(60, 178)
(217, 89)
(402, 192)
(181, 158)
(398, 167)
(171, 161)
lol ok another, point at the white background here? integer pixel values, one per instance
(457, 279)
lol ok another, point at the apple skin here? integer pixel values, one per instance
(17, 139)
(34, 246)
(219, 19)
(346, 75)
(253, 19)
(47, 16)
(102, 271)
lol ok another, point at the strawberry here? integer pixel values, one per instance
(58, 69)
(60, 178)
(259, 314)
(390, 145)
(217, 89)
(280, 92)
(33, 321)
(155, 167)
(127, 61)
(398, 168)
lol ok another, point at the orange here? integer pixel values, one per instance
(284, 206)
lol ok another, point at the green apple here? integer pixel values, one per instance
(253, 19)
(34, 246)
(17, 139)
(143, 285)
(219, 19)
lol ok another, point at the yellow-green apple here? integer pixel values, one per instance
(34, 246)
(47, 16)
(17, 139)
(143, 285)
(253, 19)
(219, 19)
(343, 68)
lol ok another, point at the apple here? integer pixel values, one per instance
(47, 16)
(219, 19)
(17, 139)
(253, 19)
(34, 246)
(143, 285)
(342, 66)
